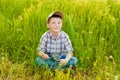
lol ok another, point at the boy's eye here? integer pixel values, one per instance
(53, 22)
(59, 22)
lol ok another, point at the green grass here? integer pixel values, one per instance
(92, 25)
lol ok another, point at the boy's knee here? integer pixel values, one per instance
(38, 60)
(73, 61)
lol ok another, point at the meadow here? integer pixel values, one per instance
(92, 25)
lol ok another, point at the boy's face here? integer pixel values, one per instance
(55, 24)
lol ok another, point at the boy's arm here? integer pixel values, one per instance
(69, 56)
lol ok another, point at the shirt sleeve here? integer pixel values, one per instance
(68, 44)
(42, 44)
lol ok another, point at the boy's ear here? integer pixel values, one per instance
(47, 25)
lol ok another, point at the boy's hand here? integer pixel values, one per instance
(45, 56)
(63, 62)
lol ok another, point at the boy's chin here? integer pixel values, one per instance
(57, 31)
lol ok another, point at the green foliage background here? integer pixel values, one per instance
(92, 25)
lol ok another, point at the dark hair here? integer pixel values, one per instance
(56, 16)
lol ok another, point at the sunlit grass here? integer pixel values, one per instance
(92, 25)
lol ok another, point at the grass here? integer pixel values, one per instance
(92, 25)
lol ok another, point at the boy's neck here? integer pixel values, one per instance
(54, 35)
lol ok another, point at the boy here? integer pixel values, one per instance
(55, 49)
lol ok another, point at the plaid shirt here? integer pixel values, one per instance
(55, 46)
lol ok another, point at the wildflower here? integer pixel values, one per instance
(90, 32)
(3, 58)
(116, 77)
(18, 29)
(20, 17)
(110, 57)
(102, 38)
(88, 57)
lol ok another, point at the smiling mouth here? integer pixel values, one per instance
(56, 28)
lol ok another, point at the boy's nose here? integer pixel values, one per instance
(57, 25)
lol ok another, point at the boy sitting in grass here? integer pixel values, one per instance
(55, 49)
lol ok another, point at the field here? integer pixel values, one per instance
(92, 25)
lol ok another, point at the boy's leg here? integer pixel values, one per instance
(46, 63)
(73, 61)
(41, 62)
